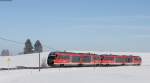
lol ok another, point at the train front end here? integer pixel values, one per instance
(51, 59)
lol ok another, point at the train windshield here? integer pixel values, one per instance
(51, 57)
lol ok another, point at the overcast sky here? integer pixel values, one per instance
(101, 25)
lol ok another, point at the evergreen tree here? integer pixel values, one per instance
(5, 52)
(28, 47)
(38, 46)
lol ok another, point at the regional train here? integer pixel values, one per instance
(87, 59)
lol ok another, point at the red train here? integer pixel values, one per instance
(88, 59)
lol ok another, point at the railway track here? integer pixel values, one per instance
(1, 69)
(21, 67)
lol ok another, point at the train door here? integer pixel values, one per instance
(86, 60)
(130, 60)
(76, 60)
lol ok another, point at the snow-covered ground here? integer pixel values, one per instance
(27, 60)
(126, 74)
(121, 74)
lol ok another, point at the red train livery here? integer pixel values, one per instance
(88, 59)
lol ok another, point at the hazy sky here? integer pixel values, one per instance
(101, 25)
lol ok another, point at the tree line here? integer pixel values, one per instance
(28, 48)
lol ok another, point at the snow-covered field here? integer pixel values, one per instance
(122, 74)
(126, 74)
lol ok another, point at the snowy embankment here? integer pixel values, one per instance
(26, 60)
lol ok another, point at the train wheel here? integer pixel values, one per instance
(123, 64)
(97, 64)
(61, 65)
(138, 64)
(80, 65)
(51, 63)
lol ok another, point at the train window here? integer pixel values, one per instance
(66, 57)
(86, 59)
(51, 57)
(75, 58)
(52, 54)
(126, 60)
(120, 59)
(137, 59)
(63, 57)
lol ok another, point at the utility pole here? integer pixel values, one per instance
(39, 62)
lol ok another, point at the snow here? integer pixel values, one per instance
(27, 60)
(126, 74)
(121, 74)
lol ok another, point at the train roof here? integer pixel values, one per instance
(71, 53)
(65, 52)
